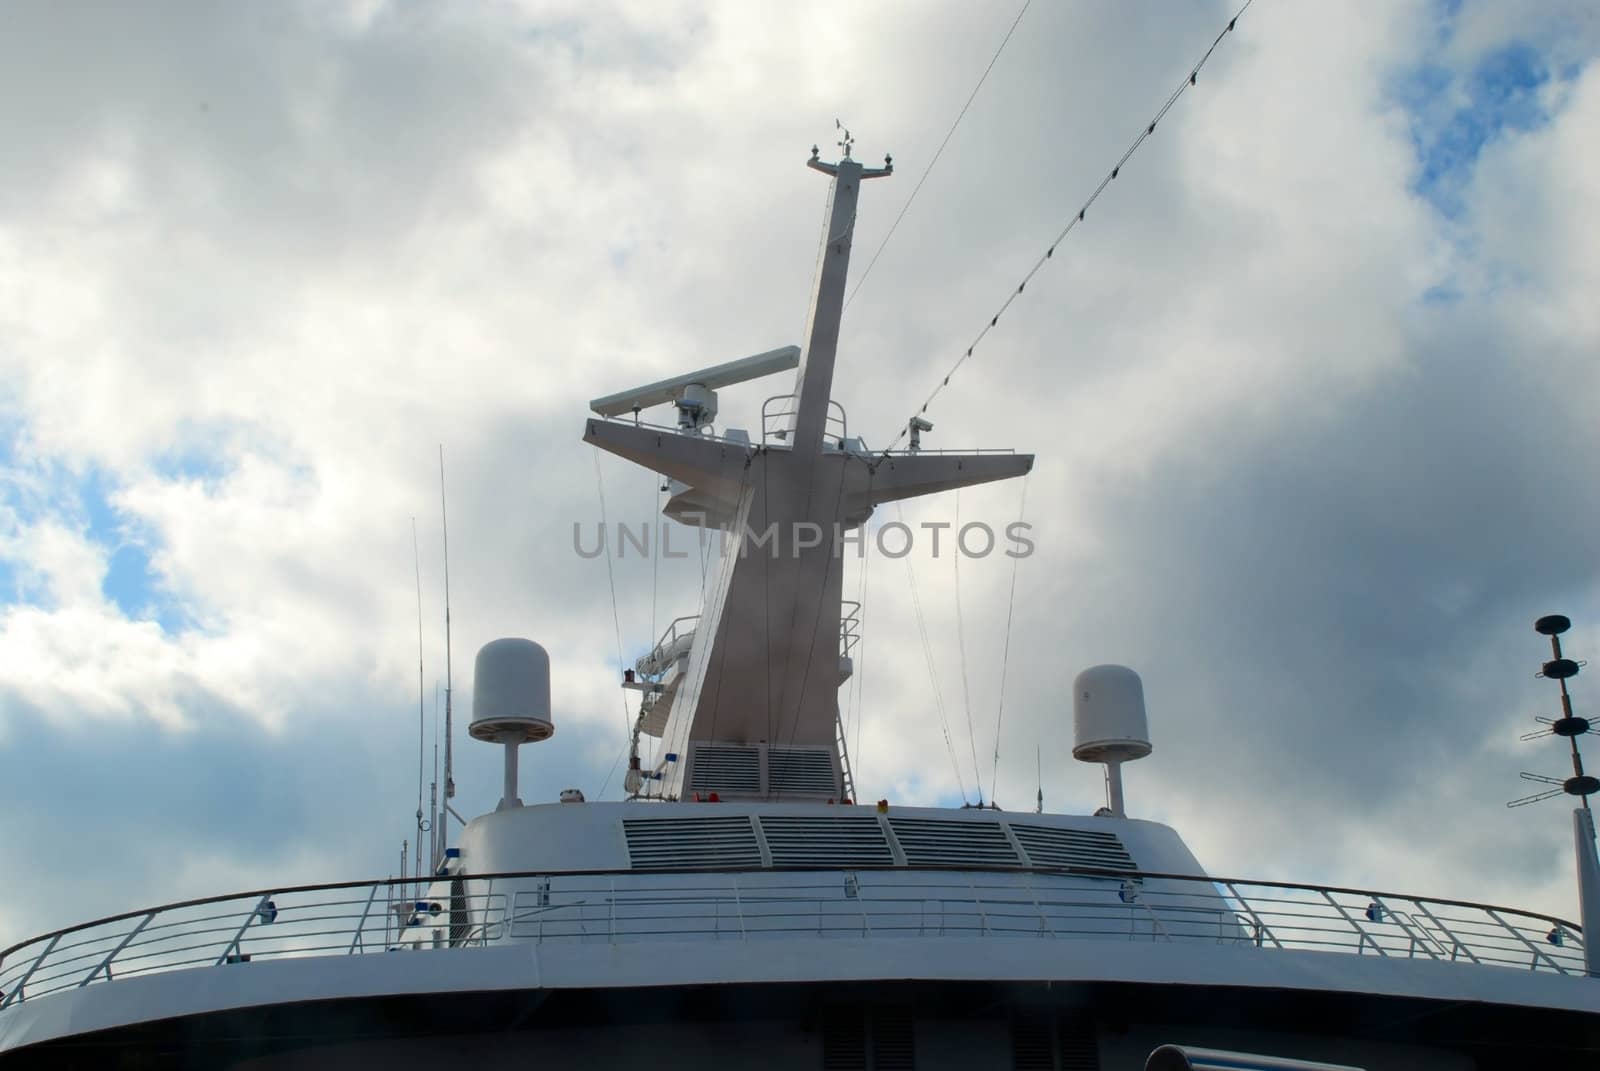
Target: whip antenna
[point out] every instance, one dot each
(423, 824)
(449, 767)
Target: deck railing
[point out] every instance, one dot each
(351, 918)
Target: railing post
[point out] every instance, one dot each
(1365, 938)
(1538, 953)
(1033, 894)
(1261, 927)
(16, 991)
(738, 905)
(356, 940)
(977, 902)
(1459, 945)
(105, 964)
(1400, 922)
(255, 913)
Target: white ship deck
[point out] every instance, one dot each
(670, 916)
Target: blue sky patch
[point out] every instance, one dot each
(1454, 115)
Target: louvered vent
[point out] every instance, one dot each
(932, 841)
(833, 841)
(801, 771)
(726, 768)
(882, 1039)
(893, 1044)
(670, 843)
(1031, 1046)
(1049, 846)
(844, 1040)
(1076, 1045)
(1042, 1041)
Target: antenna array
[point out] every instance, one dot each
(1560, 669)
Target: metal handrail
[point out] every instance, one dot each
(849, 626)
(830, 421)
(669, 636)
(754, 903)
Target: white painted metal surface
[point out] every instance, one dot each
(768, 884)
(511, 702)
(722, 375)
(761, 673)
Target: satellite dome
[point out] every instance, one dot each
(1108, 715)
(511, 693)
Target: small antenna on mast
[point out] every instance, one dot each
(449, 766)
(435, 851)
(1561, 669)
(423, 824)
(1038, 762)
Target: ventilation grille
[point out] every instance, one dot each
(893, 1046)
(1038, 1044)
(807, 771)
(1048, 846)
(844, 1040)
(1076, 1043)
(883, 1039)
(668, 843)
(1031, 1048)
(942, 843)
(846, 840)
(726, 768)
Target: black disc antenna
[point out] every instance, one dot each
(1560, 669)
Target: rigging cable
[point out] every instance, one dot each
(961, 645)
(1144, 133)
(655, 551)
(611, 581)
(696, 685)
(927, 653)
(938, 152)
(1005, 651)
(816, 623)
(858, 692)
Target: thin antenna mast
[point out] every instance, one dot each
(423, 825)
(1038, 762)
(1582, 785)
(434, 849)
(449, 767)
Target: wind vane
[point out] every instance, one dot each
(1560, 669)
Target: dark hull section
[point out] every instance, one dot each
(888, 1025)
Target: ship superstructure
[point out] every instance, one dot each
(743, 908)
(745, 697)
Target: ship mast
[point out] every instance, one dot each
(754, 697)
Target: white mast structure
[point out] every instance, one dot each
(754, 695)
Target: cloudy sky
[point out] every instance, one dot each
(1312, 390)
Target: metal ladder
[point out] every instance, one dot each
(848, 781)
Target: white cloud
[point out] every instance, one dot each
(252, 274)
